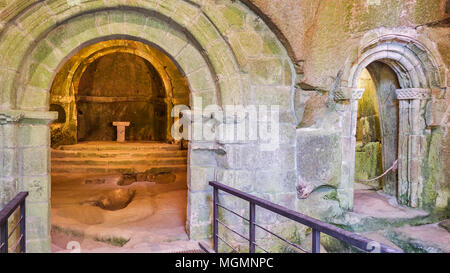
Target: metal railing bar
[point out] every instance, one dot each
(261, 248)
(220, 238)
(15, 227)
(229, 210)
(17, 243)
(338, 233)
(9, 209)
(215, 217)
(281, 238)
(235, 232)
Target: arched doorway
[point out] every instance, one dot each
(209, 48)
(109, 194)
(377, 128)
(404, 67)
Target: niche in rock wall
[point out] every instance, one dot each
(121, 87)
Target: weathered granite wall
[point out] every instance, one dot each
(235, 52)
(332, 36)
(226, 53)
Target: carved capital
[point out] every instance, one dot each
(21, 116)
(346, 93)
(413, 94)
(9, 118)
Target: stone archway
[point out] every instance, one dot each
(418, 73)
(65, 84)
(209, 47)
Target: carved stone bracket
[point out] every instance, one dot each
(413, 94)
(346, 93)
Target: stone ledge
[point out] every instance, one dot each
(27, 117)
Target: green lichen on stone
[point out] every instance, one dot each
(433, 171)
(68, 232)
(362, 15)
(426, 11)
(332, 196)
(368, 163)
(270, 45)
(114, 241)
(234, 16)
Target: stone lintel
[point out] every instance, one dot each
(348, 93)
(413, 94)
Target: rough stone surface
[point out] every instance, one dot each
(324, 149)
(445, 224)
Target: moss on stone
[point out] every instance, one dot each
(426, 11)
(234, 16)
(433, 171)
(332, 196)
(368, 163)
(114, 241)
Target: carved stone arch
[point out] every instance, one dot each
(74, 68)
(414, 64)
(418, 70)
(37, 74)
(78, 71)
(211, 48)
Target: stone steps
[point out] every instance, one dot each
(113, 146)
(119, 161)
(121, 158)
(117, 154)
(121, 169)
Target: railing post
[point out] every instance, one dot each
(315, 241)
(4, 237)
(22, 227)
(252, 227)
(216, 217)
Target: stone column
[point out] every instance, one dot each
(201, 170)
(8, 157)
(348, 108)
(25, 157)
(412, 144)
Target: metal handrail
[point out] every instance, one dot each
(317, 226)
(5, 213)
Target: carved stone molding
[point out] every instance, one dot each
(413, 94)
(346, 93)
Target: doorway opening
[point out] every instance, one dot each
(377, 132)
(107, 194)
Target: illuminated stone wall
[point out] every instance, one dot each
(118, 80)
(368, 161)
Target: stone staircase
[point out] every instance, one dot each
(121, 158)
